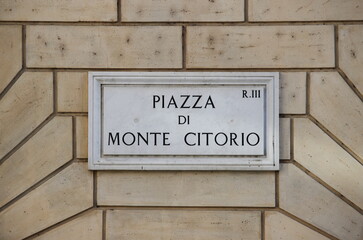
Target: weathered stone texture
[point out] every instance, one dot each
(10, 53)
(72, 91)
(281, 227)
(85, 227)
(179, 224)
(284, 138)
(305, 10)
(186, 188)
(310, 201)
(260, 46)
(182, 10)
(351, 52)
(58, 10)
(104, 47)
(63, 196)
(27, 104)
(334, 165)
(49, 149)
(82, 137)
(293, 92)
(338, 108)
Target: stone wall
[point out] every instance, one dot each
(46, 49)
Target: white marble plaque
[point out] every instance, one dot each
(183, 121)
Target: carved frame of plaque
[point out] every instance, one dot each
(100, 161)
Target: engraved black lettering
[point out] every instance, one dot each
(113, 139)
(223, 142)
(156, 99)
(196, 102)
(130, 142)
(209, 102)
(248, 139)
(172, 102)
(145, 139)
(186, 97)
(186, 139)
(232, 139)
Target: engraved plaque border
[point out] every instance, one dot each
(180, 162)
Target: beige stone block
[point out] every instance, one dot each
(317, 152)
(260, 46)
(338, 108)
(64, 195)
(27, 104)
(58, 10)
(10, 53)
(72, 91)
(86, 227)
(293, 92)
(351, 52)
(305, 10)
(182, 224)
(281, 227)
(46, 151)
(104, 46)
(284, 138)
(182, 11)
(186, 188)
(310, 201)
(82, 137)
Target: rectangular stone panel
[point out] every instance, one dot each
(293, 92)
(260, 46)
(46, 151)
(58, 10)
(186, 188)
(104, 46)
(66, 194)
(182, 11)
(284, 138)
(305, 10)
(82, 136)
(182, 224)
(72, 90)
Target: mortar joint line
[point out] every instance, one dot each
(104, 212)
(263, 225)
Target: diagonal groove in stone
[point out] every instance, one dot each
(36, 185)
(64, 195)
(307, 199)
(306, 224)
(329, 187)
(338, 109)
(350, 83)
(25, 106)
(26, 139)
(11, 83)
(336, 139)
(43, 234)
